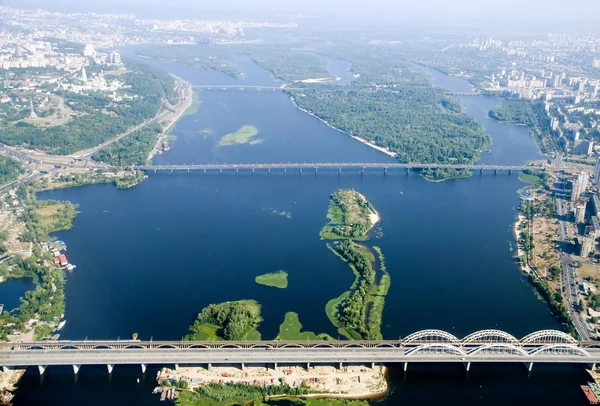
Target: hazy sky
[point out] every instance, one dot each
(536, 11)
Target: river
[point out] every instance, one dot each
(149, 258)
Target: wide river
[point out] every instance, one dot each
(151, 257)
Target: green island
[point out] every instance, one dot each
(350, 216)
(241, 136)
(291, 330)
(235, 321)
(357, 312)
(274, 279)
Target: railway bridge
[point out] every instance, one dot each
(427, 346)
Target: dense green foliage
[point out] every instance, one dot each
(44, 217)
(215, 394)
(275, 279)
(290, 65)
(131, 150)
(351, 311)
(555, 302)
(406, 119)
(9, 170)
(349, 216)
(241, 136)
(100, 117)
(233, 320)
(291, 330)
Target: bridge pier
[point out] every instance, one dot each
(372, 365)
(495, 171)
(243, 366)
(209, 366)
(339, 171)
(220, 170)
(316, 170)
(5, 369)
(269, 170)
(405, 366)
(384, 171)
(362, 171)
(341, 363)
(307, 366)
(204, 170)
(188, 170)
(171, 170)
(481, 171)
(467, 365)
(110, 368)
(176, 367)
(510, 171)
(76, 369)
(275, 365)
(252, 169)
(529, 366)
(237, 170)
(42, 369)
(143, 368)
(300, 170)
(284, 171)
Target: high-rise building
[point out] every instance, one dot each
(580, 213)
(587, 246)
(575, 190)
(597, 171)
(556, 82)
(89, 50)
(582, 179)
(114, 58)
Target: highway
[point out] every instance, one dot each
(568, 275)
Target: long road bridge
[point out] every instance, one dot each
(240, 87)
(427, 346)
(362, 166)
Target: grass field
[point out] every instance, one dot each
(291, 330)
(241, 136)
(275, 279)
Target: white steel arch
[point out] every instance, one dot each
(430, 336)
(560, 349)
(548, 337)
(490, 336)
(499, 348)
(436, 349)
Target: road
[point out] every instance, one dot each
(568, 275)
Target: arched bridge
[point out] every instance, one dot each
(487, 346)
(362, 166)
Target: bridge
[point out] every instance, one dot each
(241, 87)
(427, 346)
(339, 166)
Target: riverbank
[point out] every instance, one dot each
(349, 382)
(362, 140)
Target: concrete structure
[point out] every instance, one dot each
(114, 58)
(582, 178)
(421, 347)
(580, 213)
(594, 229)
(575, 190)
(587, 246)
(32, 114)
(321, 165)
(597, 171)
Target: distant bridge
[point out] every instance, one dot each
(339, 166)
(240, 87)
(427, 346)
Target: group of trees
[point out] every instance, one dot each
(234, 319)
(40, 225)
(404, 118)
(352, 214)
(239, 393)
(9, 170)
(351, 312)
(133, 149)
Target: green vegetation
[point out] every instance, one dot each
(229, 321)
(530, 114)
(99, 117)
(555, 302)
(9, 170)
(44, 217)
(275, 279)
(349, 216)
(290, 330)
(133, 149)
(439, 175)
(241, 136)
(215, 394)
(291, 66)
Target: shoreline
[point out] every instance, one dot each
(361, 140)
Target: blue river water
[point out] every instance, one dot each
(151, 257)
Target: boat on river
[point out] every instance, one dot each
(61, 325)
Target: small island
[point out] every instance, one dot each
(357, 312)
(227, 321)
(242, 136)
(291, 330)
(350, 216)
(274, 279)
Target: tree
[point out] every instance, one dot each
(134, 336)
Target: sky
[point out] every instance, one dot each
(571, 12)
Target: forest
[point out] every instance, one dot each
(233, 320)
(100, 117)
(131, 150)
